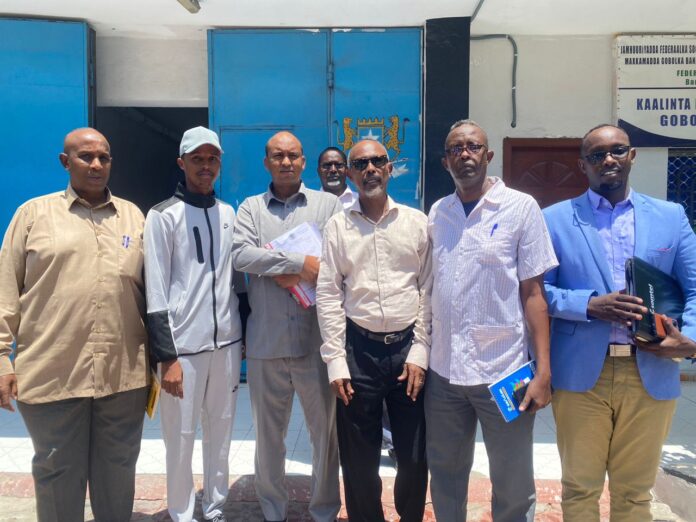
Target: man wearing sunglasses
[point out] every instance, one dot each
(374, 314)
(331, 168)
(613, 400)
(490, 252)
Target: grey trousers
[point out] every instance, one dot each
(451, 414)
(272, 384)
(85, 441)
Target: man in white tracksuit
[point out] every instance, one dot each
(194, 325)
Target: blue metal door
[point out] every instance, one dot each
(45, 92)
(377, 95)
(329, 87)
(262, 82)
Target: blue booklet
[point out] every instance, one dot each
(506, 391)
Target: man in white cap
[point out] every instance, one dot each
(194, 325)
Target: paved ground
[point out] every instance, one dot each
(16, 488)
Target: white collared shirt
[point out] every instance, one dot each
(479, 332)
(347, 198)
(379, 276)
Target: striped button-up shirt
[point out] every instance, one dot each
(479, 332)
(278, 326)
(616, 228)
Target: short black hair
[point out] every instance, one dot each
(332, 149)
(601, 126)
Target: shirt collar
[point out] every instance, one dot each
(71, 197)
(268, 196)
(598, 201)
(494, 194)
(391, 207)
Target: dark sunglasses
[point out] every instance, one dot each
(337, 164)
(457, 150)
(619, 152)
(362, 163)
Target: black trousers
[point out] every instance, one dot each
(374, 368)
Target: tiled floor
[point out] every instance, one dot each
(16, 450)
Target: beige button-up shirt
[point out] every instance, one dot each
(379, 276)
(72, 297)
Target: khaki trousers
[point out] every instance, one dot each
(616, 429)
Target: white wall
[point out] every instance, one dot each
(133, 72)
(565, 86)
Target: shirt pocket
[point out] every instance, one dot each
(130, 257)
(496, 249)
(495, 346)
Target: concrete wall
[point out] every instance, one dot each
(564, 87)
(133, 72)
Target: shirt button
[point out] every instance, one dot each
(102, 279)
(99, 305)
(99, 254)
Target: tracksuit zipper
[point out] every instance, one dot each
(212, 267)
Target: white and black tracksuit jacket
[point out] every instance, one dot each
(191, 302)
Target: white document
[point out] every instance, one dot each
(303, 239)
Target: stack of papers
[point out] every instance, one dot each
(303, 239)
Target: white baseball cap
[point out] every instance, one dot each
(194, 138)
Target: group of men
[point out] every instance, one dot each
(414, 314)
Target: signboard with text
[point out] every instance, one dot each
(656, 89)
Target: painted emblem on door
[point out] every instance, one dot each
(374, 128)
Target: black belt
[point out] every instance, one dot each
(386, 338)
(621, 350)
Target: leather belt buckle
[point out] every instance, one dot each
(392, 338)
(621, 350)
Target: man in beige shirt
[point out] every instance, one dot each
(374, 313)
(72, 298)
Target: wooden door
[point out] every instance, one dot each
(546, 168)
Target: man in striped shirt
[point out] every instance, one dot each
(490, 252)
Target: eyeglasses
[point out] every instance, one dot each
(362, 163)
(338, 165)
(598, 157)
(456, 150)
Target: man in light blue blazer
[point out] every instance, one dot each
(613, 400)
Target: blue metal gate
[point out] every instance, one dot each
(45, 88)
(329, 87)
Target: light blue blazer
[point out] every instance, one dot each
(664, 238)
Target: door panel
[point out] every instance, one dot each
(329, 88)
(546, 168)
(262, 82)
(377, 94)
(45, 88)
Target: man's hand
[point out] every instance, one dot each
(616, 307)
(674, 345)
(416, 378)
(310, 269)
(538, 394)
(8, 391)
(287, 280)
(343, 390)
(173, 378)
